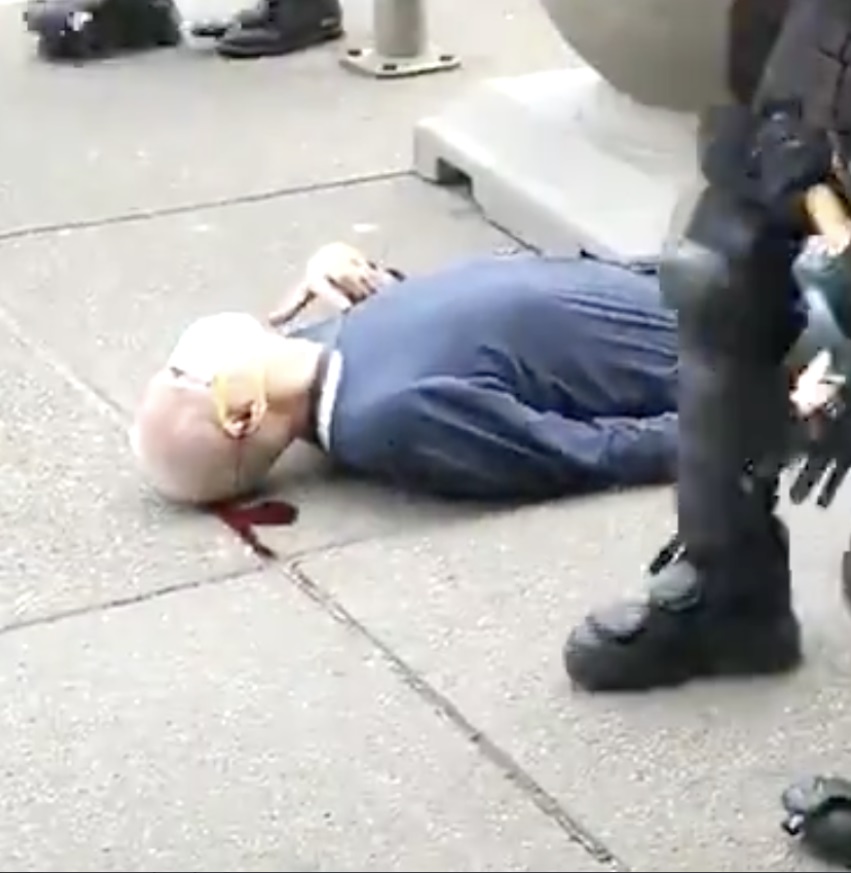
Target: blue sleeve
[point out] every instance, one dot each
(465, 439)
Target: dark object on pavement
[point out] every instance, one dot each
(818, 810)
(275, 27)
(81, 30)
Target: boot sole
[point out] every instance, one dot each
(244, 54)
(766, 652)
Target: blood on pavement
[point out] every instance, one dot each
(243, 519)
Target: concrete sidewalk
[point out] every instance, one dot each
(388, 695)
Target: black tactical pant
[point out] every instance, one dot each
(730, 280)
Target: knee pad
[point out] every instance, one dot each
(729, 278)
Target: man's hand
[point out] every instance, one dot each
(341, 275)
(822, 401)
(768, 159)
(337, 274)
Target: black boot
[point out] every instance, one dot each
(720, 599)
(680, 632)
(276, 27)
(720, 603)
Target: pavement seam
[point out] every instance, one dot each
(224, 578)
(140, 215)
(100, 402)
(497, 756)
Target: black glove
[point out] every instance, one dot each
(767, 159)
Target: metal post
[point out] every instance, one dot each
(401, 46)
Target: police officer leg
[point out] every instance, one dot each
(720, 602)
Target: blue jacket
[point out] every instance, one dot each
(509, 378)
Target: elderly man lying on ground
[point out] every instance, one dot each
(517, 377)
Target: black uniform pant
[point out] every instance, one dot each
(739, 313)
(730, 280)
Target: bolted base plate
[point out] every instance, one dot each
(371, 63)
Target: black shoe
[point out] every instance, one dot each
(240, 42)
(285, 26)
(684, 631)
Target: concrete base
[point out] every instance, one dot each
(560, 159)
(370, 62)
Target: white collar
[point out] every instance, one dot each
(328, 400)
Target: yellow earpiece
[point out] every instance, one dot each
(240, 400)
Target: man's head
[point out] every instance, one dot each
(179, 435)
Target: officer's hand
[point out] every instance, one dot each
(768, 159)
(822, 401)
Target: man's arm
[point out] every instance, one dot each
(470, 440)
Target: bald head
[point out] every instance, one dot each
(181, 448)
